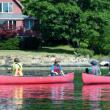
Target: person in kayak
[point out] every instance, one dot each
(94, 69)
(17, 68)
(56, 68)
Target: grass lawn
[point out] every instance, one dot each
(43, 51)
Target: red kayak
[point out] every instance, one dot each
(93, 79)
(37, 80)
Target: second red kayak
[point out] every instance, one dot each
(93, 79)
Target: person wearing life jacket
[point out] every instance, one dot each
(17, 68)
(56, 68)
(94, 69)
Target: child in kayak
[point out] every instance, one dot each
(17, 68)
(94, 69)
(56, 68)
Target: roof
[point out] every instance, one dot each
(12, 16)
(19, 3)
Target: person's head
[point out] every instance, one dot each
(16, 60)
(93, 63)
(56, 61)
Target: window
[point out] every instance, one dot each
(6, 7)
(11, 24)
(10, 7)
(2, 22)
(29, 24)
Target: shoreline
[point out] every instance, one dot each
(46, 60)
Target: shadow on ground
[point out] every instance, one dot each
(50, 50)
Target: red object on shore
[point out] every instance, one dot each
(93, 79)
(36, 80)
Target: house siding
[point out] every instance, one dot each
(16, 8)
(16, 17)
(19, 23)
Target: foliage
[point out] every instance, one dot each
(95, 17)
(10, 44)
(23, 43)
(5, 34)
(57, 19)
(106, 41)
(73, 20)
(84, 44)
(30, 43)
(84, 52)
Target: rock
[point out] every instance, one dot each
(104, 63)
(45, 60)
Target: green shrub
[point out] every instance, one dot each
(85, 52)
(25, 43)
(10, 44)
(30, 43)
(106, 49)
(83, 45)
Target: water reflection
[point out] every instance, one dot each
(15, 94)
(93, 95)
(96, 92)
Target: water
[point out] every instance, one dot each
(42, 96)
(67, 96)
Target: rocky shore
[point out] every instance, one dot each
(45, 60)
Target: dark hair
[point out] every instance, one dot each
(16, 60)
(87, 70)
(93, 62)
(56, 60)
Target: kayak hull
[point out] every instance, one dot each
(36, 80)
(93, 79)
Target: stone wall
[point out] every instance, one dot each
(45, 60)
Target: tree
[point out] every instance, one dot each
(57, 19)
(82, 21)
(95, 17)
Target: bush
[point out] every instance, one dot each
(106, 49)
(6, 34)
(10, 44)
(24, 43)
(83, 45)
(30, 43)
(85, 52)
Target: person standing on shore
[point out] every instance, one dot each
(17, 68)
(56, 68)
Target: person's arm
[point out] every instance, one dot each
(99, 71)
(16, 72)
(90, 70)
(12, 69)
(61, 70)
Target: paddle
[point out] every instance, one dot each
(8, 70)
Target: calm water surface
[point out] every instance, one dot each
(67, 96)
